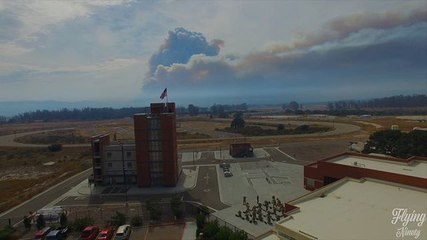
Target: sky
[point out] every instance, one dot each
(208, 52)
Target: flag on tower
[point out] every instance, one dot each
(164, 93)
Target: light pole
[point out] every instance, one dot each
(124, 174)
(193, 159)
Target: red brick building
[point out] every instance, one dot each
(154, 153)
(411, 171)
(156, 147)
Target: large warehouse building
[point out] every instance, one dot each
(151, 161)
(411, 171)
(358, 196)
(355, 209)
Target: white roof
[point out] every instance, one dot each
(357, 209)
(272, 236)
(415, 169)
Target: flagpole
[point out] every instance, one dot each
(167, 99)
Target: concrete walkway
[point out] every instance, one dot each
(189, 231)
(187, 181)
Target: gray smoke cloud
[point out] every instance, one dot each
(180, 46)
(342, 27)
(352, 52)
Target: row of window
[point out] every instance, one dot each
(128, 154)
(128, 164)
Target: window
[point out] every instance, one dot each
(310, 182)
(129, 165)
(128, 154)
(154, 135)
(108, 154)
(155, 156)
(154, 123)
(155, 146)
(156, 167)
(110, 165)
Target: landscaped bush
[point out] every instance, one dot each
(6, 233)
(136, 221)
(55, 147)
(118, 219)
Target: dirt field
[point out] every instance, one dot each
(314, 150)
(23, 173)
(70, 136)
(170, 232)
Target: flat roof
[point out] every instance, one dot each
(356, 209)
(415, 168)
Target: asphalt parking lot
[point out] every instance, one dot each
(206, 190)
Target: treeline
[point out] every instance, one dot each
(73, 115)
(397, 143)
(399, 101)
(86, 114)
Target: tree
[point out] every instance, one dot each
(40, 222)
(223, 233)
(176, 203)
(200, 223)
(193, 110)
(63, 220)
(118, 219)
(383, 142)
(238, 121)
(27, 222)
(154, 209)
(7, 232)
(397, 143)
(136, 221)
(293, 106)
(210, 229)
(238, 235)
(56, 147)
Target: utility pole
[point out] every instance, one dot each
(124, 174)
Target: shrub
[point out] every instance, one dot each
(6, 232)
(136, 221)
(40, 222)
(63, 220)
(80, 223)
(118, 219)
(176, 208)
(55, 147)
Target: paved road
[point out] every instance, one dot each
(278, 156)
(41, 200)
(206, 190)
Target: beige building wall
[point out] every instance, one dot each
(115, 161)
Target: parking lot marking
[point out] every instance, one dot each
(289, 156)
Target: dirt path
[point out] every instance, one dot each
(338, 129)
(9, 140)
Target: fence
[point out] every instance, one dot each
(221, 222)
(5, 222)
